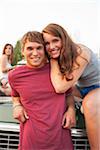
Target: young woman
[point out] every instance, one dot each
(75, 65)
(6, 66)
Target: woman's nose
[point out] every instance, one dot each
(52, 45)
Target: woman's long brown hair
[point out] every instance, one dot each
(68, 52)
(12, 51)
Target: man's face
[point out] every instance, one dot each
(34, 54)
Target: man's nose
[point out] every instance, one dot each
(34, 52)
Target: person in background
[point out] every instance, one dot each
(45, 116)
(22, 61)
(6, 66)
(75, 65)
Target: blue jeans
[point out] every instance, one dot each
(85, 90)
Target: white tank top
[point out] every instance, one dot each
(5, 75)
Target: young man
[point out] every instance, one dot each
(41, 111)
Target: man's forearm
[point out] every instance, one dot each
(70, 101)
(16, 101)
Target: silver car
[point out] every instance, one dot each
(9, 128)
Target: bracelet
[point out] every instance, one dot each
(16, 106)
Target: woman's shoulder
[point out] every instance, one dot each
(85, 52)
(4, 57)
(4, 60)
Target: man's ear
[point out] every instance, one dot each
(22, 52)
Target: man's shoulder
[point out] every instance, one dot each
(15, 71)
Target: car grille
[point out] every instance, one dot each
(80, 139)
(9, 140)
(9, 137)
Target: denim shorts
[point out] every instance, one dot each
(85, 90)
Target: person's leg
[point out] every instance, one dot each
(2, 92)
(91, 107)
(5, 91)
(5, 87)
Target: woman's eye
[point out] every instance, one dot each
(55, 40)
(46, 43)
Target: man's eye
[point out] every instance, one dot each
(29, 48)
(39, 48)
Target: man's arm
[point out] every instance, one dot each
(69, 118)
(19, 112)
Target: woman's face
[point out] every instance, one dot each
(53, 45)
(8, 50)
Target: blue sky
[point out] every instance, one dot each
(79, 17)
